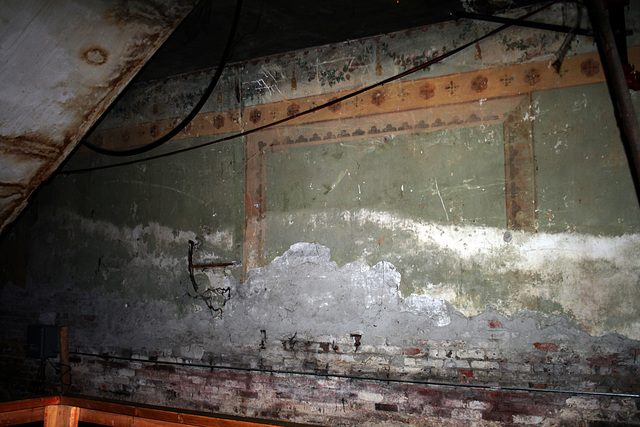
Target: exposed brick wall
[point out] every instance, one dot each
(485, 357)
(339, 401)
(605, 365)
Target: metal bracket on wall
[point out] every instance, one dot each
(215, 298)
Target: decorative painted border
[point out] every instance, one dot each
(512, 112)
(398, 96)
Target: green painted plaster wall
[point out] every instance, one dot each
(127, 229)
(433, 204)
(321, 193)
(583, 178)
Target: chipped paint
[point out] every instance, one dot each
(575, 272)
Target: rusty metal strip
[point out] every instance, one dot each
(255, 172)
(400, 96)
(519, 168)
(28, 148)
(9, 188)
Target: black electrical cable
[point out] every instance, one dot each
(196, 109)
(61, 370)
(37, 387)
(317, 108)
(359, 378)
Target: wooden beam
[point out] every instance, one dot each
(61, 416)
(97, 411)
(64, 411)
(21, 416)
(38, 402)
(159, 419)
(618, 89)
(65, 365)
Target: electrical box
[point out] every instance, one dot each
(42, 341)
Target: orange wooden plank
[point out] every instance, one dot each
(148, 418)
(37, 402)
(21, 416)
(64, 411)
(96, 411)
(61, 416)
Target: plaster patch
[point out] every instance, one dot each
(530, 252)
(418, 304)
(304, 292)
(113, 232)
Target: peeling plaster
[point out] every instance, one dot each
(593, 279)
(312, 284)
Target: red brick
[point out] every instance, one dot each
(494, 324)
(546, 346)
(497, 416)
(248, 394)
(533, 358)
(465, 374)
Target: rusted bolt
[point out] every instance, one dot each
(94, 55)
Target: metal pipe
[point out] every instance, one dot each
(353, 377)
(618, 89)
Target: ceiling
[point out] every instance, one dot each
(268, 27)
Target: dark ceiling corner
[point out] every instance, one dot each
(278, 26)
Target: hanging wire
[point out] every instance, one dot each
(317, 108)
(196, 109)
(37, 387)
(386, 380)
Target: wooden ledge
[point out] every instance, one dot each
(67, 411)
